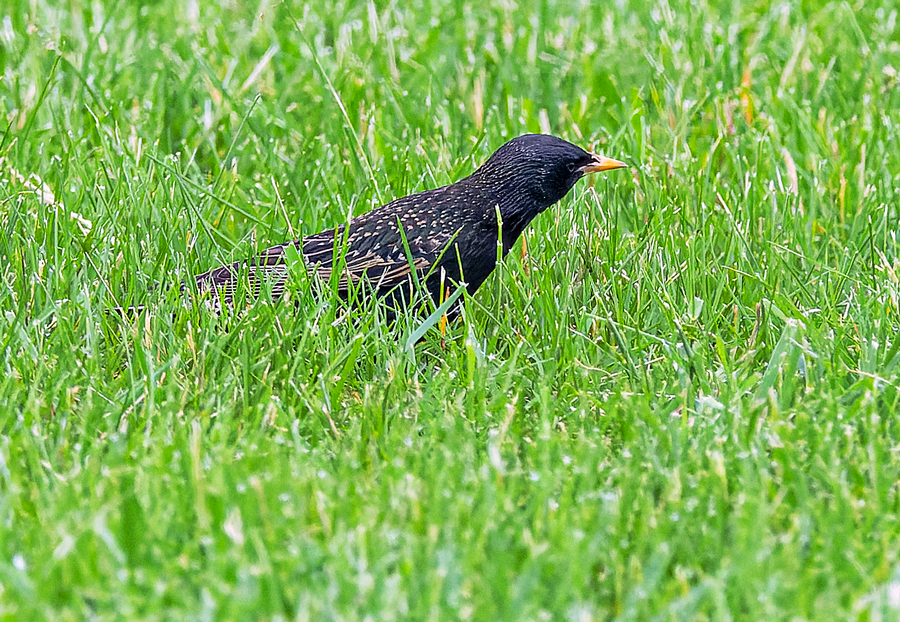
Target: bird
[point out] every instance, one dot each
(438, 238)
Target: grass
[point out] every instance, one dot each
(676, 401)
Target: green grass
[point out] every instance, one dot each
(679, 404)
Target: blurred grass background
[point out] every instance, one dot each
(675, 400)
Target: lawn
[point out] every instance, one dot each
(676, 400)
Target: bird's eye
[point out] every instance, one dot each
(571, 166)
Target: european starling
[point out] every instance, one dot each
(451, 232)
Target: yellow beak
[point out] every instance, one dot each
(602, 163)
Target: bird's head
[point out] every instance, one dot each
(535, 171)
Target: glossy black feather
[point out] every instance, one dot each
(452, 231)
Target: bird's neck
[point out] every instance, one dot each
(512, 225)
(517, 208)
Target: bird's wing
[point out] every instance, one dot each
(383, 265)
(267, 267)
(380, 260)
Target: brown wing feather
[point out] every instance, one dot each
(383, 273)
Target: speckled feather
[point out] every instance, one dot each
(522, 178)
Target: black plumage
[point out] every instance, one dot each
(451, 232)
